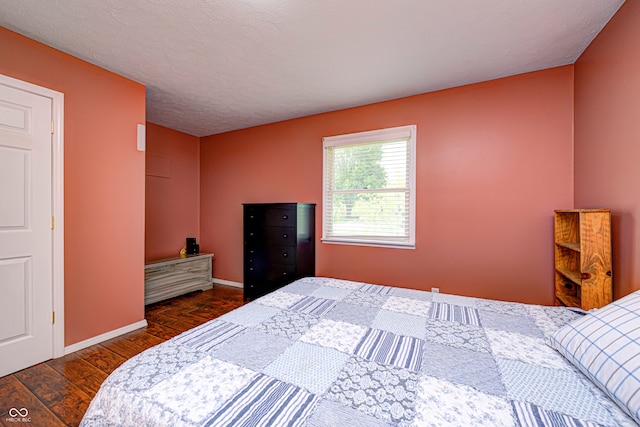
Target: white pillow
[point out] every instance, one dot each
(605, 346)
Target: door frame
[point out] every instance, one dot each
(57, 201)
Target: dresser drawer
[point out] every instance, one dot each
(274, 272)
(280, 273)
(280, 217)
(269, 236)
(281, 236)
(270, 217)
(281, 254)
(258, 258)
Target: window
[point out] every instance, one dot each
(369, 188)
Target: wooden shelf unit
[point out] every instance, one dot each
(583, 274)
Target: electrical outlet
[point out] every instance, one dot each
(435, 290)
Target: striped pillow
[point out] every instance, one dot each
(605, 346)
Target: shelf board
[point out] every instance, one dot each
(581, 210)
(568, 300)
(574, 276)
(569, 245)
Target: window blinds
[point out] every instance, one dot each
(369, 187)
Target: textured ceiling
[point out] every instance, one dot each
(212, 66)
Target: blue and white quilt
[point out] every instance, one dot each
(329, 352)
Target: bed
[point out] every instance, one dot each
(329, 352)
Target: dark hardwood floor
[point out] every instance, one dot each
(58, 392)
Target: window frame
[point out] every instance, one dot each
(380, 135)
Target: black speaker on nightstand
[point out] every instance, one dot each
(192, 247)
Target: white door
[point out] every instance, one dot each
(25, 230)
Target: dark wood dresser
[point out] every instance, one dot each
(279, 245)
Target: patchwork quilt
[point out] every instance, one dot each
(329, 352)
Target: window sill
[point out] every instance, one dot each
(376, 243)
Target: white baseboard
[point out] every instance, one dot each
(132, 327)
(227, 283)
(103, 337)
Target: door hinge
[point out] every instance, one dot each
(53, 223)
(52, 127)
(53, 317)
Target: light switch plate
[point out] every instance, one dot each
(142, 138)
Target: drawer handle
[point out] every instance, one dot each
(285, 216)
(284, 274)
(250, 234)
(250, 268)
(284, 254)
(285, 235)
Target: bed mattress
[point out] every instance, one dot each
(329, 352)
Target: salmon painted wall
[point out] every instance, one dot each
(494, 160)
(172, 191)
(607, 138)
(103, 184)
